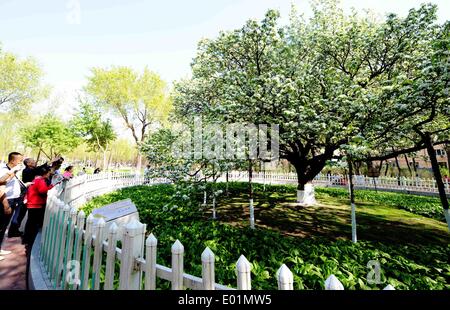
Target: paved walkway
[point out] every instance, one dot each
(13, 267)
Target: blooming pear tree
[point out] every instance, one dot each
(420, 114)
(321, 80)
(164, 152)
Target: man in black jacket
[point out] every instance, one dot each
(29, 172)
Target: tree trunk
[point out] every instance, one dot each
(214, 193)
(307, 168)
(357, 166)
(38, 156)
(387, 168)
(305, 189)
(96, 160)
(381, 166)
(352, 199)
(407, 163)
(398, 170)
(139, 163)
(109, 160)
(250, 175)
(250, 193)
(226, 178)
(414, 166)
(105, 161)
(437, 177)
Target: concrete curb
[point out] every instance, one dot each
(37, 277)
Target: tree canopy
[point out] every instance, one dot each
(88, 124)
(50, 136)
(20, 83)
(140, 99)
(324, 81)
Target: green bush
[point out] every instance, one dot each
(310, 260)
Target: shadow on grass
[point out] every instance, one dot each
(330, 218)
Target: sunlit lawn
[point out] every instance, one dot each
(330, 218)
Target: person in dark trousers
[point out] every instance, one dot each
(14, 190)
(5, 211)
(37, 199)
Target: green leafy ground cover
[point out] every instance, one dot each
(312, 241)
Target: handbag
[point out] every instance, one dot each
(23, 187)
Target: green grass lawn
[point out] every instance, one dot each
(312, 241)
(330, 218)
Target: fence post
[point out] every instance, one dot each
(150, 262)
(111, 257)
(177, 265)
(55, 235)
(86, 262)
(77, 244)
(389, 288)
(47, 230)
(133, 247)
(61, 245)
(243, 269)
(69, 245)
(332, 283)
(208, 275)
(285, 278)
(98, 253)
(47, 215)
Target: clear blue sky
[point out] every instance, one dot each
(159, 34)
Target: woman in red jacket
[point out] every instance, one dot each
(37, 198)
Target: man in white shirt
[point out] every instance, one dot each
(13, 190)
(5, 210)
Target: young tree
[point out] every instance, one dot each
(50, 136)
(98, 134)
(141, 100)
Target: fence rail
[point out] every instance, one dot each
(402, 184)
(73, 249)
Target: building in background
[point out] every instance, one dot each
(421, 160)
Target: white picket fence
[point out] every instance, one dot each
(72, 247)
(362, 182)
(80, 189)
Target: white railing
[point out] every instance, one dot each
(80, 189)
(72, 248)
(383, 183)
